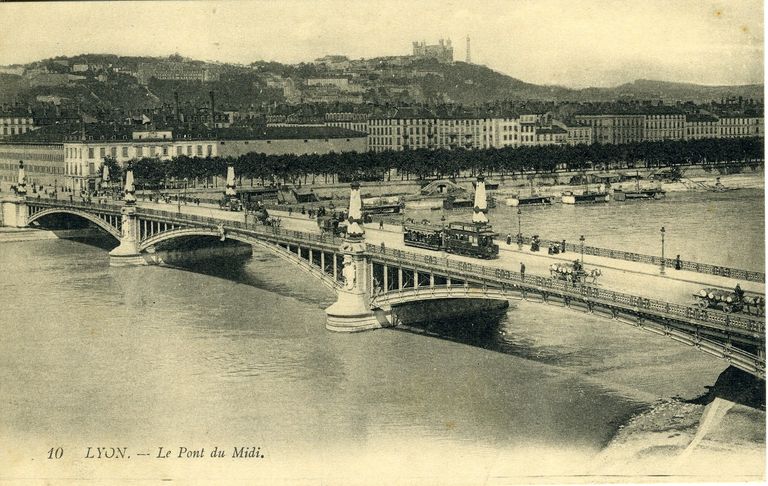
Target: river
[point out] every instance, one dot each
(237, 355)
(726, 228)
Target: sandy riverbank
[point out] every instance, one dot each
(720, 436)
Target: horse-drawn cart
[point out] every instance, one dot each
(573, 272)
(729, 301)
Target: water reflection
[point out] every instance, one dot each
(496, 331)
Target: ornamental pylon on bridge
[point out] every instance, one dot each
(231, 191)
(130, 189)
(21, 185)
(481, 203)
(352, 310)
(128, 251)
(355, 228)
(13, 208)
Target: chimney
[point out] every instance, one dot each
(213, 110)
(176, 109)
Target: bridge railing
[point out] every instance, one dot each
(691, 266)
(252, 227)
(473, 271)
(74, 204)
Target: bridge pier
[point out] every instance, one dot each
(127, 254)
(15, 213)
(352, 310)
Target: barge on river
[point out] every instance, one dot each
(587, 197)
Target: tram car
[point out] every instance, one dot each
(728, 301)
(468, 239)
(573, 272)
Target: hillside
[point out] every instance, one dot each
(669, 91)
(109, 83)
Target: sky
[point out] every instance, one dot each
(574, 43)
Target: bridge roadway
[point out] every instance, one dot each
(638, 294)
(677, 286)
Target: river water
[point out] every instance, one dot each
(237, 355)
(726, 228)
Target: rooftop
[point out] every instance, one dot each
(96, 132)
(700, 118)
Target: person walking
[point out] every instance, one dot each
(522, 271)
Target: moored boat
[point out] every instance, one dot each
(569, 197)
(621, 195)
(528, 200)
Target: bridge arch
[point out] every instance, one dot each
(93, 218)
(405, 296)
(275, 249)
(734, 356)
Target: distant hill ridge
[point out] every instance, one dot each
(240, 85)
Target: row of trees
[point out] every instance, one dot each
(422, 163)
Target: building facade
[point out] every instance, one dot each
(15, 124)
(701, 126)
(176, 71)
(739, 126)
(664, 124)
(576, 133)
(351, 121)
(44, 164)
(502, 132)
(614, 128)
(83, 158)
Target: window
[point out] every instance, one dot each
(199, 150)
(102, 152)
(178, 149)
(165, 150)
(90, 152)
(113, 151)
(125, 151)
(139, 151)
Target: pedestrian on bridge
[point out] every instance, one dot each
(522, 271)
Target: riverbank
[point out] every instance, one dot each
(8, 235)
(547, 183)
(716, 437)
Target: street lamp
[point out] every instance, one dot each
(663, 262)
(581, 239)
